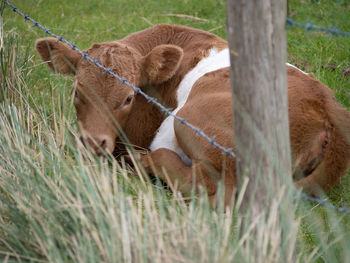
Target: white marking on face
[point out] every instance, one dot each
(290, 65)
(165, 137)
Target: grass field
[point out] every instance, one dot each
(60, 204)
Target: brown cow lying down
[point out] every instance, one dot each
(187, 69)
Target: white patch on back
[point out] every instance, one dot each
(165, 137)
(297, 68)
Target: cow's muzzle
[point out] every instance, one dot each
(100, 145)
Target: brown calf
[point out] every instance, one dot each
(187, 69)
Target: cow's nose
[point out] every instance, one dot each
(99, 145)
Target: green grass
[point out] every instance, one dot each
(58, 203)
(312, 51)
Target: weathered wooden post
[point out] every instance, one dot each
(257, 41)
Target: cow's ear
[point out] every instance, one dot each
(59, 56)
(161, 63)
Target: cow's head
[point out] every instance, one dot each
(102, 102)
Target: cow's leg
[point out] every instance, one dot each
(169, 167)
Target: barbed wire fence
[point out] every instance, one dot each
(168, 111)
(290, 23)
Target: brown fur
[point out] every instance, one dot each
(157, 59)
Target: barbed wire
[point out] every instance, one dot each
(309, 26)
(212, 141)
(324, 203)
(167, 111)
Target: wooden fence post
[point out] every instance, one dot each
(257, 41)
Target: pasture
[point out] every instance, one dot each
(59, 203)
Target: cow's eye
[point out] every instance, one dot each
(128, 100)
(76, 94)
